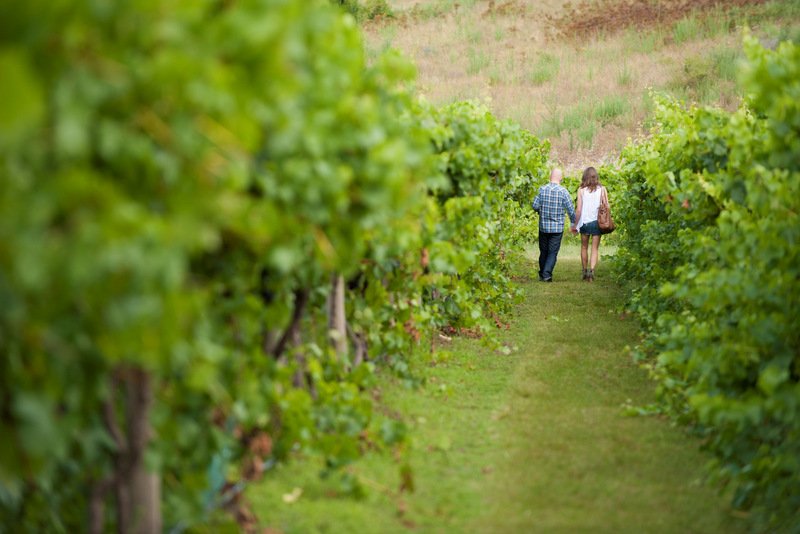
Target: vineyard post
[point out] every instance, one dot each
(337, 323)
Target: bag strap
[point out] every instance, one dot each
(604, 195)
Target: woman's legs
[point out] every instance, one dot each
(585, 251)
(595, 251)
(594, 258)
(585, 255)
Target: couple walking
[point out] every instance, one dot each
(551, 203)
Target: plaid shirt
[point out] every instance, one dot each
(550, 204)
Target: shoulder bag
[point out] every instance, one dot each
(604, 220)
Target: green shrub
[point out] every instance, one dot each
(178, 188)
(710, 231)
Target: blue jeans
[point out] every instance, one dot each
(549, 245)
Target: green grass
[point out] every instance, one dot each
(637, 41)
(495, 77)
(778, 9)
(531, 442)
(472, 35)
(576, 116)
(581, 122)
(499, 34)
(624, 76)
(544, 70)
(604, 111)
(688, 28)
(552, 125)
(609, 108)
(478, 60)
(718, 23)
(586, 133)
(432, 10)
(705, 79)
(725, 62)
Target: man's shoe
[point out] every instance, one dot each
(545, 279)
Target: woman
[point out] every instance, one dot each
(589, 195)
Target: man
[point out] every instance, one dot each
(551, 203)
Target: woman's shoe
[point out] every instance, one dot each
(590, 275)
(585, 274)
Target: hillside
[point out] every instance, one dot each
(579, 74)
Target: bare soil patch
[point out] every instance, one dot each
(590, 18)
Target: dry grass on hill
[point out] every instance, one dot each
(593, 16)
(567, 73)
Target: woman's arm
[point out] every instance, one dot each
(579, 206)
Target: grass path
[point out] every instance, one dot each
(572, 462)
(531, 442)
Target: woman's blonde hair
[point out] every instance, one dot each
(590, 179)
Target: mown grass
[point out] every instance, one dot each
(572, 463)
(534, 441)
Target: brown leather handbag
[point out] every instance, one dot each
(604, 220)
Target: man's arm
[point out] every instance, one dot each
(568, 206)
(578, 210)
(537, 202)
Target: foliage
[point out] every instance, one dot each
(493, 169)
(168, 191)
(175, 204)
(711, 245)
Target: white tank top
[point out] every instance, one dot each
(589, 205)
